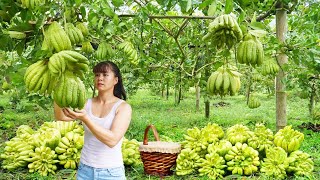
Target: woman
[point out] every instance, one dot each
(106, 119)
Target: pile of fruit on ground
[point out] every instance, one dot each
(209, 151)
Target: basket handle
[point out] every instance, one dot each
(155, 133)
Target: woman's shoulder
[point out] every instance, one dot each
(124, 106)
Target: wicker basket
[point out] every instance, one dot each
(158, 157)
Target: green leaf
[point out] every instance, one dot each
(6, 43)
(107, 10)
(254, 18)
(242, 16)
(121, 24)
(78, 2)
(83, 11)
(204, 4)
(183, 5)
(162, 2)
(257, 25)
(20, 46)
(245, 2)
(189, 5)
(258, 33)
(244, 29)
(4, 15)
(116, 19)
(100, 22)
(212, 9)
(91, 15)
(94, 20)
(109, 29)
(229, 6)
(117, 3)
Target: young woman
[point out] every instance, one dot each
(106, 119)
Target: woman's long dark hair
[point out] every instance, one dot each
(103, 67)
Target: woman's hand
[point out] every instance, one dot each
(77, 114)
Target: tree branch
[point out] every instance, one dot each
(272, 10)
(165, 28)
(169, 17)
(181, 67)
(184, 24)
(204, 66)
(268, 13)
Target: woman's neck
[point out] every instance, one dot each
(106, 98)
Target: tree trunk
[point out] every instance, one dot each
(207, 101)
(312, 98)
(162, 90)
(207, 108)
(180, 88)
(281, 97)
(175, 91)
(249, 90)
(167, 90)
(197, 96)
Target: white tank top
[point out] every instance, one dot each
(95, 153)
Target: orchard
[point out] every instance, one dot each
(235, 82)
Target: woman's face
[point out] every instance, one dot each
(105, 80)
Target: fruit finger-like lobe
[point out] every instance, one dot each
(74, 34)
(253, 102)
(211, 83)
(34, 73)
(226, 82)
(253, 50)
(81, 94)
(260, 52)
(240, 53)
(79, 35)
(83, 28)
(233, 85)
(45, 82)
(58, 38)
(54, 64)
(70, 33)
(87, 47)
(250, 51)
(82, 66)
(58, 92)
(32, 67)
(219, 81)
(105, 48)
(80, 58)
(66, 56)
(51, 85)
(75, 90)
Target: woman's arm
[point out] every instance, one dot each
(118, 128)
(59, 114)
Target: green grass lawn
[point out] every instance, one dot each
(172, 121)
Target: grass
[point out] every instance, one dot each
(173, 120)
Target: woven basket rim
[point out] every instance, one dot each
(160, 146)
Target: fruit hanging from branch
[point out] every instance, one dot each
(224, 31)
(269, 66)
(75, 35)
(70, 91)
(224, 81)
(57, 37)
(250, 51)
